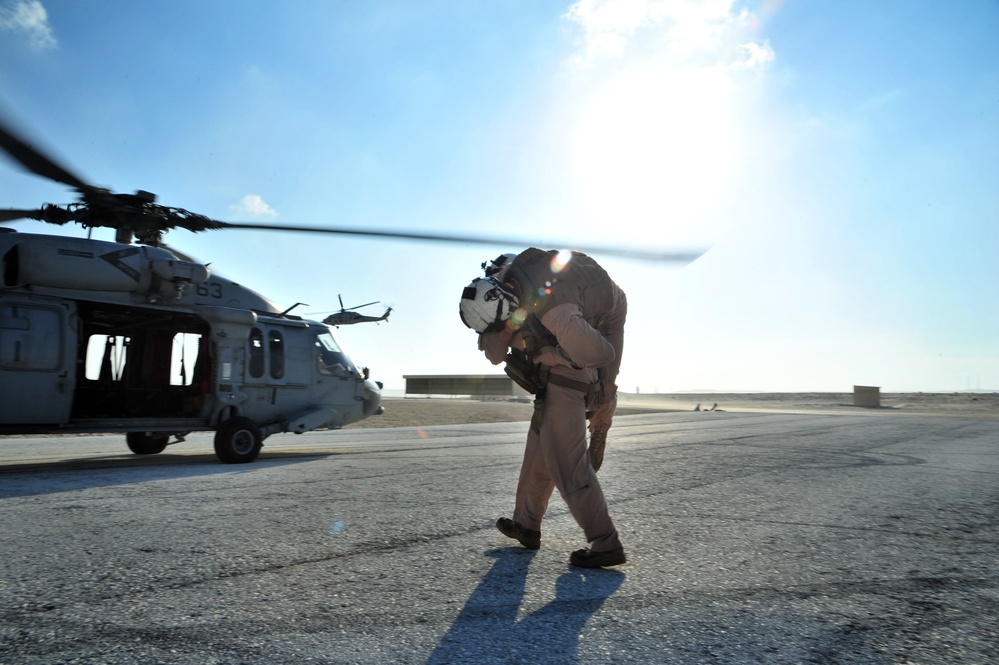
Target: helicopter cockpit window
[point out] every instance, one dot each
(275, 343)
(330, 355)
(256, 353)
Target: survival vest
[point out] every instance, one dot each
(541, 282)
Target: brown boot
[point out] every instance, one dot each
(529, 538)
(589, 559)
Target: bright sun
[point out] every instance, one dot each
(655, 148)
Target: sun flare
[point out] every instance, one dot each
(656, 148)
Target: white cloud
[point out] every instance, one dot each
(28, 17)
(754, 56)
(253, 205)
(610, 22)
(686, 30)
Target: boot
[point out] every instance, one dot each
(527, 537)
(589, 559)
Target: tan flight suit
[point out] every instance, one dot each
(556, 455)
(544, 279)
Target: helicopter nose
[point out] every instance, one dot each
(372, 398)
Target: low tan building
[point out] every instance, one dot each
(463, 385)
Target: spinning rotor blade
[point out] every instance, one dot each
(10, 214)
(344, 309)
(35, 161)
(623, 252)
(49, 213)
(138, 215)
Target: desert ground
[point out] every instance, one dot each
(423, 411)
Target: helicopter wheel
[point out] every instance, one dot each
(146, 443)
(238, 441)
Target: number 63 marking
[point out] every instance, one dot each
(210, 290)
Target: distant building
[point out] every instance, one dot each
(463, 385)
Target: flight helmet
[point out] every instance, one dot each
(486, 305)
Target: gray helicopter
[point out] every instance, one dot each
(347, 317)
(134, 337)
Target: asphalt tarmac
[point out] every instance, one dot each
(751, 537)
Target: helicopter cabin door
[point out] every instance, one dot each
(37, 361)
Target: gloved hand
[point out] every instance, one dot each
(600, 420)
(598, 441)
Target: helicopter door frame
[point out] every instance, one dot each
(279, 353)
(37, 360)
(277, 368)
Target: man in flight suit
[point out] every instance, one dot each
(542, 313)
(611, 326)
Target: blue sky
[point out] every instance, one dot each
(838, 159)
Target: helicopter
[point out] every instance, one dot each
(134, 337)
(347, 317)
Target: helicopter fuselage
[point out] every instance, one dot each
(103, 337)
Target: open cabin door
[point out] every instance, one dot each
(140, 363)
(37, 360)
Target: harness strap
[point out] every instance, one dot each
(569, 383)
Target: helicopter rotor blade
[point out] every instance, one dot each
(49, 213)
(138, 214)
(10, 214)
(375, 302)
(37, 162)
(682, 257)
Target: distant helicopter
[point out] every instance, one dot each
(346, 317)
(134, 337)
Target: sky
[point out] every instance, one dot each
(836, 159)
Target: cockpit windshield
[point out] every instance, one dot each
(331, 355)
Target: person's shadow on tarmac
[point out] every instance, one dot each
(487, 629)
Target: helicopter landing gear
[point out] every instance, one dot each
(238, 440)
(146, 443)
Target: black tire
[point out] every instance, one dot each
(238, 441)
(146, 443)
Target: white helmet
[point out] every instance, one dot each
(486, 304)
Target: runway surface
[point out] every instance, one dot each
(752, 538)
